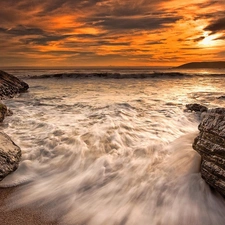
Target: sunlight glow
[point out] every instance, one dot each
(209, 40)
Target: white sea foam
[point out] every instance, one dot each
(100, 152)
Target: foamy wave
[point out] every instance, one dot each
(112, 75)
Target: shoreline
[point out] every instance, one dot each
(25, 216)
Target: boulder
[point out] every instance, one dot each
(210, 144)
(196, 107)
(10, 155)
(11, 85)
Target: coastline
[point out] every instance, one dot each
(25, 216)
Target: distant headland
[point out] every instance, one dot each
(199, 65)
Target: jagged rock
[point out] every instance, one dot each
(10, 155)
(210, 144)
(11, 85)
(196, 107)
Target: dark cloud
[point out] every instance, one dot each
(21, 31)
(153, 42)
(113, 43)
(63, 52)
(53, 6)
(41, 37)
(221, 37)
(44, 40)
(126, 23)
(209, 3)
(87, 35)
(190, 48)
(215, 26)
(199, 39)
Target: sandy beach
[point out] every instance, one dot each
(23, 216)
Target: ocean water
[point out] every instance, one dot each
(100, 148)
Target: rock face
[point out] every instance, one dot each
(10, 85)
(210, 144)
(10, 155)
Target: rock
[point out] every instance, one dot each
(196, 107)
(210, 144)
(11, 85)
(10, 155)
(9, 112)
(3, 112)
(221, 97)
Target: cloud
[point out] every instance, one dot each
(199, 39)
(44, 40)
(127, 23)
(21, 31)
(221, 54)
(215, 26)
(125, 31)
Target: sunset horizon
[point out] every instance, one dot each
(68, 33)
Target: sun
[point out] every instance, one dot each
(209, 40)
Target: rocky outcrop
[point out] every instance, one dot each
(10, 155)
(11, 85)
(210, 144)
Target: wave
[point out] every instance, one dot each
(108, 75)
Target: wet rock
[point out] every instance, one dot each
(9, 112)
(196, 107)
(3, 112)
(221, 97)
(10, 155)
(11, 85)
(210, 144)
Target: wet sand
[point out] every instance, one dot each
(23, 216)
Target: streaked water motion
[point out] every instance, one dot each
(113, 151)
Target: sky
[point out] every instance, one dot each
(111, 32)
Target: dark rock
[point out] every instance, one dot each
(11, 85)
(10, 155)
(196, 107)
(210, 144)
(9, 112)
(3, 112)
(221, 97)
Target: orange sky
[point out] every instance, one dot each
(111, 32)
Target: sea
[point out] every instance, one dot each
(113, 146)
